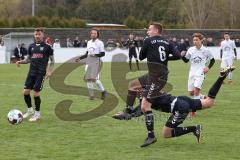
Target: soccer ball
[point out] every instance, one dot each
(15, 116)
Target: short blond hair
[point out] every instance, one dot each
(158, 26)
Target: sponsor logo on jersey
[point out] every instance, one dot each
(37, 55)
(197, 59)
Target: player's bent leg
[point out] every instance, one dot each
(145, 106)
(179, 114)
(134, 85)
(167, 132)
(134, 88)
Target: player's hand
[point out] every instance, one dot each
(18, 63)
(205, 70)
(183, 53)
(48, 74)
(235, 58)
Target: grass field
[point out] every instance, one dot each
(104, 138)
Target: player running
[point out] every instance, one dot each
(228, 53)
(38, 56)
(198, 55)
(179, 107)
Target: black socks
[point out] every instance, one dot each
(149, 119)
(28, 101)
(179, 131)
(37, 103)
(215, 87)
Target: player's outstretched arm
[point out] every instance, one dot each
(82, 57)
(25, 61)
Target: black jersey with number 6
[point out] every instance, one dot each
(158, 52)
(39, 56)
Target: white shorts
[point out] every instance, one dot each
(226, 63)
(92, 71)
(195, 82)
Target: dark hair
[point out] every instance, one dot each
(199, 35)
(95, 29)
(38, 30)
(158, 26)
(226, 33)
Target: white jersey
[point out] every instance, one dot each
(198, 59)
(94, 47)
(227, 48)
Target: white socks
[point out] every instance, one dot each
(30, 109)
(90, 88)
(100, 86)
(230, 75)
(37, 113)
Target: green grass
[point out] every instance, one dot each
(105, 138)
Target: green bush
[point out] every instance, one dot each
(48, 22)
(134, 23)
(4, 23)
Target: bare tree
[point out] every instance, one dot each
(198, 11)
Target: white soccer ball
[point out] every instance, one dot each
(15, 116)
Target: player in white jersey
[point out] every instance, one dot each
(95, 50)
(198, 55)
(228, 53)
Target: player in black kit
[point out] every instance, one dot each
(135, 85)
(132, 45)
(158, 52)
(179, 107)
(38, 56)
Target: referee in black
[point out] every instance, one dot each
(38, 56)
(132, 45)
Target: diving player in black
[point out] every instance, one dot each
(179, 107)
(38, 56)
(132, 45)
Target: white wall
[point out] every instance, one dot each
(63, 54)
(3, 55)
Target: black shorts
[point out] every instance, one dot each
(143, 80)
(181, 106)
(132, 54)
(153, 86)
(34, 82)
